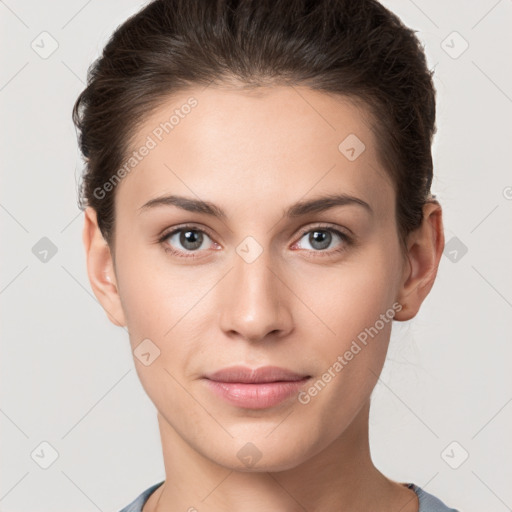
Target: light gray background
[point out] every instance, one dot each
(67, 374)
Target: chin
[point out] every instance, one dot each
(258, 457)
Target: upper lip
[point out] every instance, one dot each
(254, 375)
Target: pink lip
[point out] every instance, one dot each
(255, 388)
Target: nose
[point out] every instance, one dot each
(255, 302)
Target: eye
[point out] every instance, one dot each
(321, 238)
(186, 239)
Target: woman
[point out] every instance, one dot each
(257, 213)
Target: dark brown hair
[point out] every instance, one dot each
(357, 49)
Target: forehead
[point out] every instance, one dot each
(275, 144)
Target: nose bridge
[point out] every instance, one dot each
(254, 305)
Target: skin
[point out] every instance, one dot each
(296, 306)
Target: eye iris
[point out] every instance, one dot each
(191, 237)
(324, 237)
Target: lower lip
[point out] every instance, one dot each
(256, 396)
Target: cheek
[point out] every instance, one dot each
(356, 302)
(349, 297)
(362, 316)
(169, 304)
(154, 294)
(155, 301)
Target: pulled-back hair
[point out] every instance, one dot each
(357, 49)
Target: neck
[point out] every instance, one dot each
(338, 477)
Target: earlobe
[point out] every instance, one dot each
(425, 248)
(100, 269)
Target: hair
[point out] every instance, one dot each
(357, 50)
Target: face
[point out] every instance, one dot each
(259, 278)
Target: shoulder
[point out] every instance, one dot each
(137, 504)
(428, 502)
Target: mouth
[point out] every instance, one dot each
(262, 375)
(259, 388)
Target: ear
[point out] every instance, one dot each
(100, 269)
(425, 247)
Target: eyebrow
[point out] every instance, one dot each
(298, 209)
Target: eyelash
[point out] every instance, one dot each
(191, 227)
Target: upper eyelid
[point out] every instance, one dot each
(191, 227)
(324, 228)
